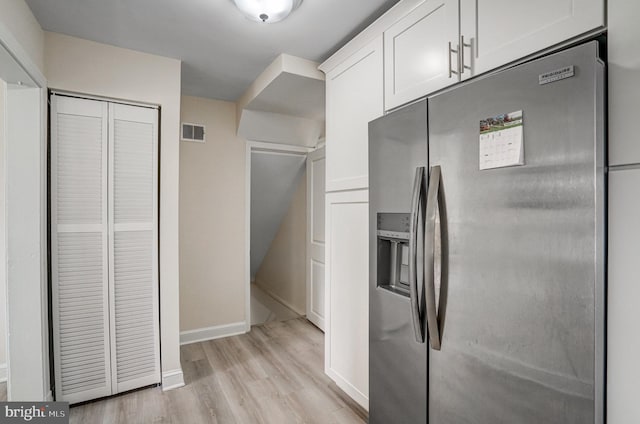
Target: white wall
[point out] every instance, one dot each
(16, 16)
(25, 206)
(3, 270)
(282, 272)
(212, 220)
(87, 67)
(27, 325)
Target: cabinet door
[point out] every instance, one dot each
(497, 32)
(347, 293)
(133, 246)
(354, 97)
(624, 73)
(79, 268)
(418, 59)
(623, 343)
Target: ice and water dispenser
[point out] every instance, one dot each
(393, 252)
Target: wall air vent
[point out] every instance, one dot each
(192, 132)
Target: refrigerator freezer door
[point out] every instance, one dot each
(522, 309)
(397, 362)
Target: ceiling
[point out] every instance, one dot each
(222, 51)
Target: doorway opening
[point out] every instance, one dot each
(277, 232)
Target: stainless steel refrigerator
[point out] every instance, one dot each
(487, 222)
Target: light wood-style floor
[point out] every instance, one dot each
(274, 375)
(265, 308)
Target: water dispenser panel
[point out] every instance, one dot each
(393, 252)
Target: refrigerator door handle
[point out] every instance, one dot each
(416, 202)
(433, 195)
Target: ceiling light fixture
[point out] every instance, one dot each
(268, 11)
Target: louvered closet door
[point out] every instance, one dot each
(133, 216)
(79, 249)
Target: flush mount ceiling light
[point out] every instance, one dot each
(269, 11)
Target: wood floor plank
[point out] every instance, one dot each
(312, 406)
(277, 410)
(192, 352)
(346, 416)
(185, 405)
(154, 408)
(244, 410)
(272, 375)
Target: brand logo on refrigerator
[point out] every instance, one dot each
(556, 75)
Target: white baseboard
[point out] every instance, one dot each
(172, 379)
(349, 389)
(3, 373)
(279, 299)
(211, 333)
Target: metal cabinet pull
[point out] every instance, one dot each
(449, 51)
(416, 214)
(462, 46)
(433, 197)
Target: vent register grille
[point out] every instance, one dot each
(104, 286)
(193, 132)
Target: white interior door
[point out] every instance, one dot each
(79, 249)
(315, 237)
(133, 246)
(104, 243)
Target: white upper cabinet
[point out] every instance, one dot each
(421, 52)
(497, 32)
(624, 73)
(354, 97)
(441, 42)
